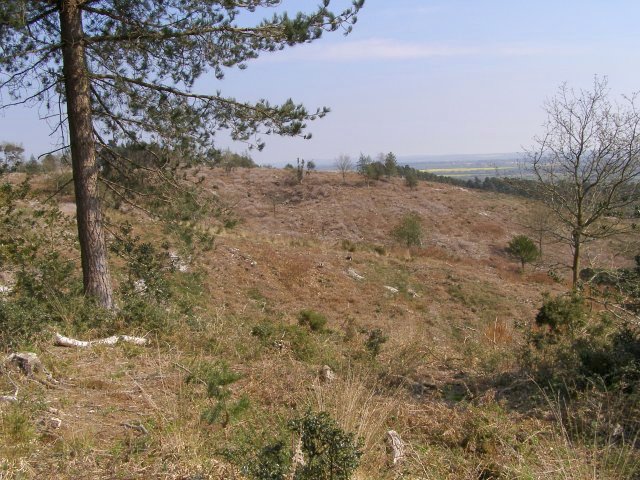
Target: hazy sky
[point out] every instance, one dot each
(426, 76)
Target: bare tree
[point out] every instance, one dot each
(344, 164)
(540, 221)
(587, 165)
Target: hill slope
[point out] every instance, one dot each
(448, 319)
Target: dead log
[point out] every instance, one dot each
(63, 341)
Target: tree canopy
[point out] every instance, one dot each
(143, 58)
(115, 72)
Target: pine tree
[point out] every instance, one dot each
(126, 70)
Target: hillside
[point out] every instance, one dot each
(455, 312)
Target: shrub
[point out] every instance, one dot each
(216, 378)
(411, 179)
(348, 245)
(524, 249)
(409, 230)
(563, 314)
(273, 462)
(304, 346)
(314, 320)
(330, 453)
(375, 339)
(580, 349)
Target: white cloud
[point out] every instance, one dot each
(386, 49)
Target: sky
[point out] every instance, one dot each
(418, 77)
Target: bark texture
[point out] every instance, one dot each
(95, 268)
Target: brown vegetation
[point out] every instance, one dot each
(446, 380)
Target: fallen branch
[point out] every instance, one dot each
(63, 341)
(138, 427)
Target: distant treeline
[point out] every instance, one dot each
(512, 186)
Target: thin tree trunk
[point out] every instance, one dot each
(95, 269)
(575, 267)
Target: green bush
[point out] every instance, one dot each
(330, 453)
(409, 230)
(524, 249)
(562, 315)
(22, 321)
(273, 462)
(411, 179)
(579, 349)
(304, 346)
(348, 245)
(216, 378)
(314, 320)
(375, 339)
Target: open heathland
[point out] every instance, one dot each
(295, 298)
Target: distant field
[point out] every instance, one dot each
(475, 171)
(468, 166)
(465, 169)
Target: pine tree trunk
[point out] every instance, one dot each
(95, 269)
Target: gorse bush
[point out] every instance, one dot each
(562, 315)
(39, 281)
(411, 179)
(146, 268)
(304, 346)
(272, 463)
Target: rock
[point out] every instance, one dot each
(177, 262)
(395, 448)
(353, 274)
(412, 292)
(327, 375)
(52, 422)
(140, 286)
(391, 289)
(28, 362)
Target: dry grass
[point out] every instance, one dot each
(437, 381)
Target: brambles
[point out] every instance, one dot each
(409, 230)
